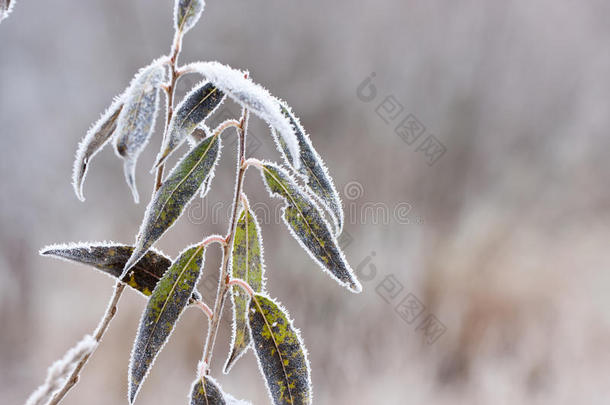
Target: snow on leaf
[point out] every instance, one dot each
(110, 258)
(196, 106)
(6, 6)
(136, 121)
(312, 169)
(246, 264)
(280, 352)
(187, 13)
(206, 391)
(59, 371)
(250, 95)
(95, 139)
(180, 186)
(307, 224)
(165, 306)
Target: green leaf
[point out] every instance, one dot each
(110, 258)
(95, 139)
(165, 305)
(247, 265)
(136, 121)
(308, 226)
(175, 193)
(194, 109)
(280, 352)
(312, 169)
(205, 391)
(187, 13)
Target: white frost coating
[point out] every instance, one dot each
(188, 23)
(231, 400)
(237, 290)
(357, 287)
(92, 140)
(250, 95)
(86, 245)
(4, 10)
(136, 121)
(61, 370)
(335, 212)
(207, 183)
(131, 395)
(297, 332)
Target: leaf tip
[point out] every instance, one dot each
(161, 159)
(133, 392)
(355, 287)
(130, 178)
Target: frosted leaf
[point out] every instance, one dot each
(187, 13)
(206, 391)
(308, 226)
(250, 95)
(59, 371)
(246, 264)
(110, 258)
(280, 352)
(178, 189)
(312, 169)
(207, 183)
(6, 6)
(136, 121)
(95, 139)
(196, 106)
(165, 306)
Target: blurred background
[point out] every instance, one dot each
(468, 140)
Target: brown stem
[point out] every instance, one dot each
(224, 272)
(170, 88)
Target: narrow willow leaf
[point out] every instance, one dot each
(250, 95)
(136, 121)
(187, 13)
(205, 391)
(246, 264)
(175, 193)
(207, 183)
(110, 258)
(6, 6)
(95, 139)
(280, 352)
(312, 169)
(165, 306)
(308, 226)
(196, 107)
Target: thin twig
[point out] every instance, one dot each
(224, 272)
(204, 307)
(171, 87)
(242, 284)
(119, 287)
(99, 332)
